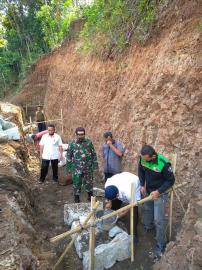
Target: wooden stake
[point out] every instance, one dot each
(65, 251)
(30, 121)
(114, 213)
(92, 237)
(62, 124)
(171, 215)
(174, 161)
(132, 222)
(26, 109)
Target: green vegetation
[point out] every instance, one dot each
(29, 29)
(199, 26)
(110, 24)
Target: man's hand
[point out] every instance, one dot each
(155, 195)
(143, 190)
(108, 204)
(109, 142)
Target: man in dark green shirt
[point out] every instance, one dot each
(81, 163)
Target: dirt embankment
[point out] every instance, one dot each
(150, 94)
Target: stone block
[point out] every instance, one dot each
(114, 231)
(82, 241)
(106, 255)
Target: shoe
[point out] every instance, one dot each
(76, 199)
(158, 252)
(55, 181)
(90, 194)
(40, 181)
(147, 230)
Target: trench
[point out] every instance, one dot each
(46, 204)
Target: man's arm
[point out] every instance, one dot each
(141, 175)
(117, 150)
(169, 177)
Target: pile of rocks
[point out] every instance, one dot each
(9, 115)
(8, 130)
(110, 246)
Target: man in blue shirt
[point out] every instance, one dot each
(112, 151)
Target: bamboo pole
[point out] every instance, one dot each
(127, 207)
(30, 121)
(92, 237)
(65, 252)
(171, 215)
(63, 235)
(45, 121)
(26, 109)
(62, 123)
(74, 238)
(174, 161)
(132, 222)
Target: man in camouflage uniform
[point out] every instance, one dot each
(81, 163)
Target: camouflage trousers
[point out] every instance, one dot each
(85, 180)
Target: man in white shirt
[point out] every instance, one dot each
(118, 191)
(50, 151)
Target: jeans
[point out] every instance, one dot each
(44, 169)
(154, 214)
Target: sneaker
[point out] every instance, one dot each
(40, 181)
(147, 230)
(76, 199)
(89, 195)
(158, 252)
(55, 180)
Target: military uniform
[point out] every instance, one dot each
(81, 162)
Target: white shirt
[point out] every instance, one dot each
(51, 146)
(123, 182)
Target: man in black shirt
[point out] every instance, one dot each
(156, 176)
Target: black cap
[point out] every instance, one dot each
(108, 134)
(80, 131)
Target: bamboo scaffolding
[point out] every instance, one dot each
(127, 207)
(31, 123)
(95, 206)
(92, 237)
(132, 222)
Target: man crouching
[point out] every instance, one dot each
(118, 192)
